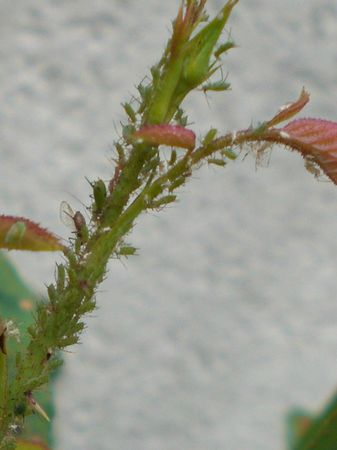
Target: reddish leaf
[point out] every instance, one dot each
(19, 233)
(290, 109)
(173, 135)
(316, 138)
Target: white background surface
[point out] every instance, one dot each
(228, 315)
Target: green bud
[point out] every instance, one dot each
(200, 49)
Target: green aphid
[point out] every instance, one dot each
(155, 72)
(61, 276)
(173, 158)
(229, 153)
(223, 48)
(128, 131)
(145, 94)
(16, 233)
(260, 129)
(210, 136)
(144, 91)
(120, 152)
(177, 183)
(127, 250)
(216, 162)
(130, 112)
(100, 193)
(52, 292)
(165, 200)
(65, 342)
(181, 118)
(216, 86)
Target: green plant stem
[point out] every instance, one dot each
(141, 183)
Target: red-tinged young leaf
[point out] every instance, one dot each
(316, 138)
(289, 110)
(19, 233)
(172, 135)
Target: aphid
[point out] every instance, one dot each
(223, 48)
(311, 166)
(210, 135)
(130, 112)
(216, 86)
(80, 223)
(263, 154)
(229, 153)
(216, 162)
(173, 158)
(73, 220)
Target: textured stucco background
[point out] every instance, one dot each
(228, 316)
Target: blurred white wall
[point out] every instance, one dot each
(228, 315)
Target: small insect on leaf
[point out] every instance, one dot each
(165, 134)
(229, 153)
(74, 220)
(216, 162)
(210, 135)
(223, 48)
(173, 158)
(80, 225)
(19, 233)
(130, 112)
(216, 86)
(311, 166)
(127, 250)
(100, 193)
